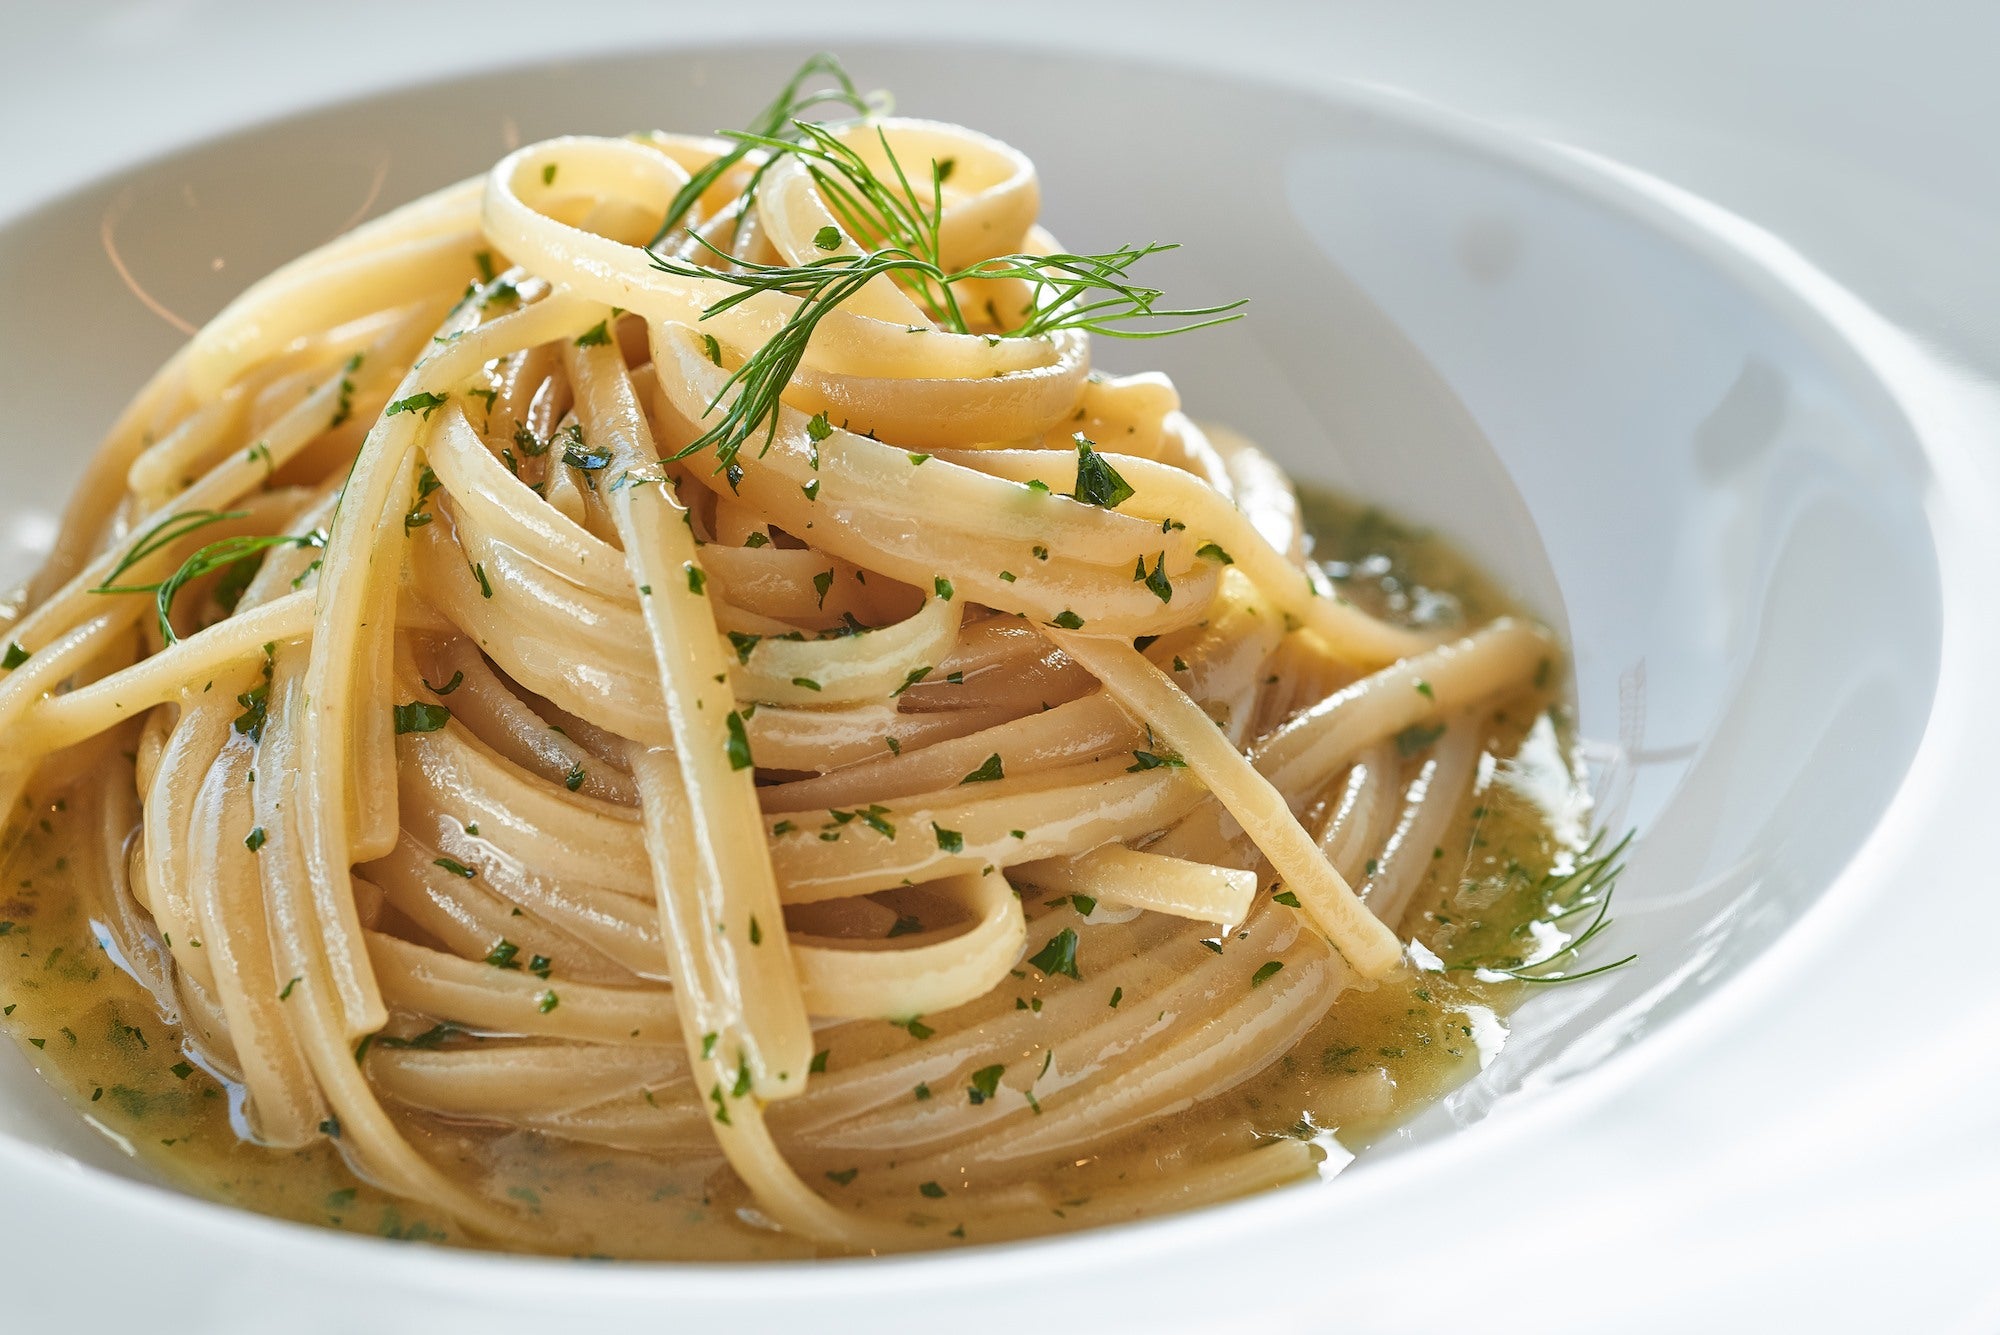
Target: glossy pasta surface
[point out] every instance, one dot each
(654, 704)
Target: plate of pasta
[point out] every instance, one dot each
(853, 675)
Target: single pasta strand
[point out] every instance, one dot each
(1149, 881)
(922, 974)
(767, 1026)
(1259, 807)
(738, 1122)
(737, 990)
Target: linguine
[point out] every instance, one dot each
(738, 692)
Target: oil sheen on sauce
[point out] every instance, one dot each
(1377, 1058)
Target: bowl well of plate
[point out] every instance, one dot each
(1655, 446)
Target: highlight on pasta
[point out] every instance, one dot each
(654, 703)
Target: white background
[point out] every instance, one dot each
(1850, 1120)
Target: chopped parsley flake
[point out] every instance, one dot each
(987, 772)
(1417, 737)
(1058, 956)
(420, 717)
(1097, 482)
(985, 1083)
(424, 402)
(577, 455)
(738, 746)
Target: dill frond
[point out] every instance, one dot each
(1587, 887)
(896, 223)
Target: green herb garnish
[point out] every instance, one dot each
(420, 717)
(1059, 955)
(1417, 737)
(738, 746)
(1587, 887)
(897, 223)
(423, 402)
(987, 772)
(1097, 482)
(985, 1083)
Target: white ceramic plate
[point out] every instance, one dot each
(1661, 430)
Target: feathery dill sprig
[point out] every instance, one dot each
(880, 215)
(163, 534)
(822, 285)
(206, 560)
(775, 121)
(897, 226)
(1586, 887)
